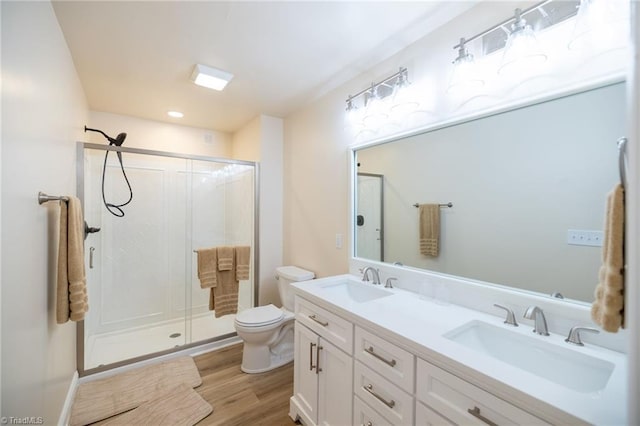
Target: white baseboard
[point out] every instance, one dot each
(68, 401)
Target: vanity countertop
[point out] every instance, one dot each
(418, 324)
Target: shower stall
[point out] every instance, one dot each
(144, 294)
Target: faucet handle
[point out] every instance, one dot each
(511, 318)
(388, 283)
(574, 334)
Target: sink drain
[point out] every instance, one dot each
(174, 335)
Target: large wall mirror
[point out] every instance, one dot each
(520, 183)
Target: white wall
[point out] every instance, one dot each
(261, 140)
(155, 135)
(43, 111)
(317, 204)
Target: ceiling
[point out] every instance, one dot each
(136, 58)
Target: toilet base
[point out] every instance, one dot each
(261, 358)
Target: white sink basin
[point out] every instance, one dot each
(563, 366)
(353, 291)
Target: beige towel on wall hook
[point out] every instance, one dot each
(608, 308)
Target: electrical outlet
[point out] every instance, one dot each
(578, 237)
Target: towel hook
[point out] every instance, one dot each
(622, 150)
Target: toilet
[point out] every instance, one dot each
(267, 331)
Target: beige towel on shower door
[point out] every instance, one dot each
(608, 308)
(429, 229)
(243, 257)
(207, 267)
(71, 287)
(224, 297)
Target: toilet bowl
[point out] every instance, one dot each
(267, 331)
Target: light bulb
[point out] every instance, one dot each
(465, 74)
(403, 100)
(376, 112)
(601, 24)
(522, 54)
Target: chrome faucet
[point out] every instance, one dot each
(535, 313)
(574, 334)
(374, 272)
(389, 281)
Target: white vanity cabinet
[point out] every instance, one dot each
(323, 367)
(463, 403)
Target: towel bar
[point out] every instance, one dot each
(441, 205)
(43, 198)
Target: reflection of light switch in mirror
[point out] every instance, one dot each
(584, 238)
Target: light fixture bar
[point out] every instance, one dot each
(402, 71)
(501, 24)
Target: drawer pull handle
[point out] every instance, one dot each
(311, 366)
(322, 323)
(370, 351)
(318, 369)
(476, 413)
(369, 388)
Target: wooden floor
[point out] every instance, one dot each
(238, 398)
(243, 399)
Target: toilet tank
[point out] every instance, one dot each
(287, 275)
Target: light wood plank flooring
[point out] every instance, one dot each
(243, 399)
(240, 399)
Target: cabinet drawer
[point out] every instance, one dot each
(363, 415)
(385, 358)
(393, 403)
(326, 324)
(425, 416)
(456, 400)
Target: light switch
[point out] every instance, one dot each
(338, 241)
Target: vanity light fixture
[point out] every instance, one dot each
(465, 73)
(522, 51)
(369, 109)
(175, 114)
(209, 77)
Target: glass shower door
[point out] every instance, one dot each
(144, 293)
(135, 278)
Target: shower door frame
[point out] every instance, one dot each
(80, 329)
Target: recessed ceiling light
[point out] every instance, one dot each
(175, 114)
(211, 78)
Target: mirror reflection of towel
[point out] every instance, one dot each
(429, 229)
(608, 308)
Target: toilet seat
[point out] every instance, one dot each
(259, 316)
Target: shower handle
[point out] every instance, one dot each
(89, 230)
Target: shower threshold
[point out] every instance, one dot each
(112, 347)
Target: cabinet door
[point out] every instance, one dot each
(335, 386)
(305, 374)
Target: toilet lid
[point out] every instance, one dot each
(261, 315)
